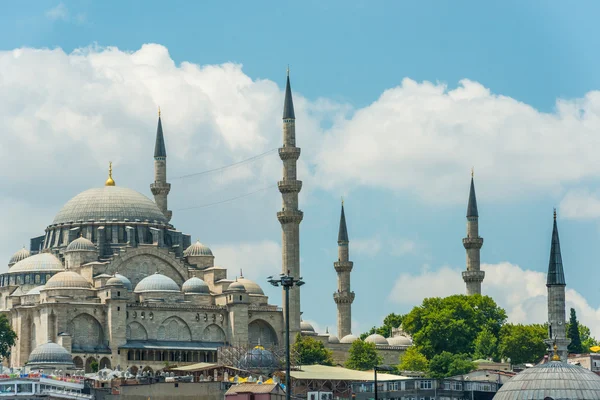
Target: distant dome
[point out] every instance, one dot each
(43, 262)
(197, 249)
(258, 359)
(555, 380)
(400, 341)
(306, 327)
(236, 287)
(109, 203)
(50, 354)
(377, 339)
(333, 339)
(156, 283)
(67, 280)
(35, 290)
(251, 286)
(18, 256)
(81, 244)
(195, 285)
(349, 339)
(114, 281)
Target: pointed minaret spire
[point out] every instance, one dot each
(343, 297)
(557, 334)
(288, 105)
(160, 188)
(473, 276)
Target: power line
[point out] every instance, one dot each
(228, 200)
(227, 166)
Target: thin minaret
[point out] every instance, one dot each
(290, 216)
(343, 266)
(160, 188)
(557, 333)
(473, 276)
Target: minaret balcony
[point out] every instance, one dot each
(343, 297)
(160, 188)
(473, 276)
(289, 186)
(290, 216)
(343, 266)
(289, 153)
(472, 243)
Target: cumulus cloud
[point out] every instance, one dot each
(59, 12)
(256, 260)
(521, 292)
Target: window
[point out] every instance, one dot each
(37, 279)
(240, 298)
(119, 293)
(393, 386)
(118, 308)
(456, 385)
(26, 279)
(425, 385)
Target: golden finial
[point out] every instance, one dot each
(158, 111)
(555, 357)
(110, 181)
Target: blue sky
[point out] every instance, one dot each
(344, 55)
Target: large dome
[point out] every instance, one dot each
(67, 280)
(109, 203)
(156, 283)
(251, 286)
(43, 262)
(50, 354)
(555, 380)
(196, 286)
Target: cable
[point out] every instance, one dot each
(228, 200)
(227, 166)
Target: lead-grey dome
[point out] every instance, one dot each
(109, 203)
(50, 354)
(348, 339)
(43, 262)
(81, 244)
(197, 249)
(18, 256)
(195, 285)
(156, 283)
(119, 279)
(555, 380)
(377, 339)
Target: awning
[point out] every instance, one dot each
(196, 367)
(170, 345)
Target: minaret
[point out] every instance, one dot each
(557, 333)
(473, 276)
(290, 216)
(160, 188)
(343, 297)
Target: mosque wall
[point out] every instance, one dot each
(138, 263)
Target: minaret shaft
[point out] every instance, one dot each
(344, 297)
(473, 276)
(160, 188)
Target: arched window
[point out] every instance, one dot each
(27, 279)
(37, 279)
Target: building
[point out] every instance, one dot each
(43, 386)
(255, 391)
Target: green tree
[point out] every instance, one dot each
(523, 343)
(412, 360)
(447, 364)
(8, 337)
(452, 324)
(312, 351)
(362, 356)
(587, 340)
(94, 366)
(573, 333)
(486, 345)
(390, 322)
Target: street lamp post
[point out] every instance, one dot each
(287, 282)
(379, 368)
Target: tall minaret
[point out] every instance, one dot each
(473, 276)
(160, 188)
(557, 333)
(343, 297)
(290, 216)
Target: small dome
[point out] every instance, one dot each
(195, 285)
(259, 359)
(50, 353)
(35, 290)
(377, 339)
(197, 249)
(236, 287)
(156, 283)
(251, 286)
(349, 339)
(555, 380)
(125, 280)
(333, 339)
(18, 256)
(306, 327)
(67, 280)
(114, 281)
(81, 244)
(400, 341)
(42, 262)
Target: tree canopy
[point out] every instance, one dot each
(390, 322)
(523, 343)
(412, 360)
(312, 351)
(447, 364)
(452, 323)
(362, 356)
(7, 337)
(486, 345)
(573, 333)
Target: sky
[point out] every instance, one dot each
(395, 103)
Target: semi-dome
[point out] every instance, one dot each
(251, 286)
(236, 286)
(306, 327)
(197, 249)
(18, 256)
(348, 339)
(109, 203)
(35, 290)
(43, 262)
(81, 244)
(400, 341)
(50, 354)
(554, 380)
(156, 283)
(195, 285)
(67, 280)
(377, 339)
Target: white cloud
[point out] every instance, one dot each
(60, 12)
(521, 292)
(373, 245)
(580, 204)
(256, 260)
(370, 246)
